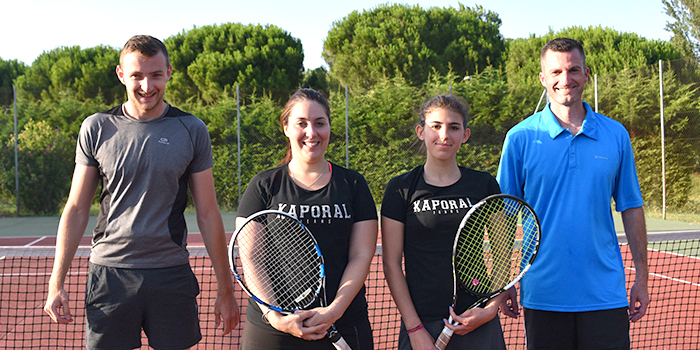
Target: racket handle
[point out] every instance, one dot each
(445, 336)
(341, 344)
(338, 341)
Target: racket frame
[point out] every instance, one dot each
(446, 333)
(233, 251)
(320, 294)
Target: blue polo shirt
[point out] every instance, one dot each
(569, 180)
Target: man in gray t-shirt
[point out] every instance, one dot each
(144, 153)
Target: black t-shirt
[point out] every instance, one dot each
(431, 217)
(329, 213)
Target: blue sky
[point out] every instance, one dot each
(30, 27)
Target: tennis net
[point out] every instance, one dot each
(672, 322)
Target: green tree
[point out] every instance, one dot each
(81, 73)
(262, 141)
(66, 113)
(208, 61)
(411, 42)
(628, 91)
(607, 51)
(632, 97)
(9, 71)
(45, 168)
(316, 79)
(382, 141)
(686, 25)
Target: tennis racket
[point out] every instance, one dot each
(277, 261)
(495, 245)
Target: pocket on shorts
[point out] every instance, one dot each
(195, 284)
(94, 288)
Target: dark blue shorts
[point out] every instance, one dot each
(120, 303)
(605, 329)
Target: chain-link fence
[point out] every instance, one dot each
(658, 105)
(380, 140)
(373, 131)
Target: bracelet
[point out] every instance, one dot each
(417, 328)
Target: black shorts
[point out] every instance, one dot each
(487, 337)
(120, 303)
(605, 329)
(258, 335)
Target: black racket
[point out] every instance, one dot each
(496, 243)
(277, 261)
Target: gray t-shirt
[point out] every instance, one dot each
(144, 167)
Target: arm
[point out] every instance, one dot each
(511, 181)
(363, 242)
(476, 317)
(292, 324)
(313, 324)
(502, 232)
(212, 230)
(510, 176)
(71, 229)
(392, 256)
(509, 303)
(636, 232)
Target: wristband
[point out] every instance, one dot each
(419, 327)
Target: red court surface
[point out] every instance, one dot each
(193, 239)
(672, 322)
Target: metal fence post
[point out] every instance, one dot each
(238, 131)
(595, 87)
(663, 140)
(347, 129)
(14, 97)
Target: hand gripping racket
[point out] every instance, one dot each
(496, 243)
(277, 261)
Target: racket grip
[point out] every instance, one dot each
(445, 336)
(338, 341)
(341, 344)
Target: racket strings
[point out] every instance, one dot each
(495, 244)
(280, 262)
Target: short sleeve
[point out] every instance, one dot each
(627, 193)
(85, 147)
(509, 176)
(203, 156)
(253, 199)
(365, 208)
(393, 203)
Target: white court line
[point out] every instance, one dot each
(668, 278)
(41, 274)
(675, 254)
(35, 241)
(671, 278)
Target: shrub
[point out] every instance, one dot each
(45, 166)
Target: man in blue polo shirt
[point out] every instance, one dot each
(568, 162)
